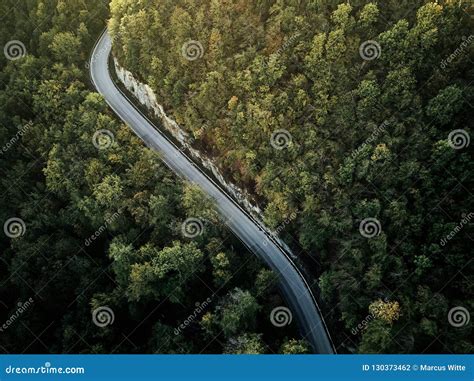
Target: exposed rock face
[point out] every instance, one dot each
(147, 97)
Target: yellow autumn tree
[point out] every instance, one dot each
(385, 310)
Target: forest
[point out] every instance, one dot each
(354, 116)
(106, 250)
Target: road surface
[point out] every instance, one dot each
(293, 285)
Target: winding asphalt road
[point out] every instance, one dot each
(293, 285)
